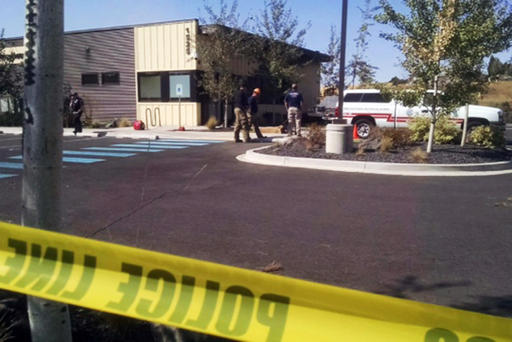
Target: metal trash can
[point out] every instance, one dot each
(338, 138)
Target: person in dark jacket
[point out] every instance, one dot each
(241, 121)
(252, 113)
(76, 106)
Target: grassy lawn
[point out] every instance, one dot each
(499, 95)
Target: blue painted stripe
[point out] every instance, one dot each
(158, 143)
(121, 149)
(72, 160)
(16, 166)
(6, 175)
(197, 141)
(161, 146)
(98, 154)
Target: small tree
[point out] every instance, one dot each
(282, 57)
(330, 70)
(449, 38)
(358, 67)
(11, 83)
(223, 44)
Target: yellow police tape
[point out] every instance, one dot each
(221, 300)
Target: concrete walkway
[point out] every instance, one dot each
(194, 133)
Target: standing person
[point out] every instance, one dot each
(241, 122)
(76, 105)
(252, 113)
(293, 103)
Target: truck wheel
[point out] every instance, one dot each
(364, 127)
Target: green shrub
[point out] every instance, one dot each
(419, 127)
(446, 131)
(212, 123)
(490, 137)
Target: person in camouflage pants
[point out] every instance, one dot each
(241, 120)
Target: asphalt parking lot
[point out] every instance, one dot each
(437, 240)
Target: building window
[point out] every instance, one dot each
(110, 77)
(88, 79)
(150, 88)
(179, 86)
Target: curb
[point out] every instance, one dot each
(395, 169)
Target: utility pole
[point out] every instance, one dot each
(42, 147)
(341, 86)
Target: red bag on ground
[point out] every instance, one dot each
(138, 125)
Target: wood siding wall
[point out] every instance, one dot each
(98, 52)
(166, 47)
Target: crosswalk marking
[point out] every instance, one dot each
(99, 154)
(170, 143)
(16, 166)
(177, 147)
(192, 141)
(116, 150)
(122, 149)
(69, 160)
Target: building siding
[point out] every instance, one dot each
(109, 50)
(164, 47)
(98, 52)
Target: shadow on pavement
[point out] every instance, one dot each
(411, 284)
(496, 306)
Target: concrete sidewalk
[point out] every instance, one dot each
(197, 133)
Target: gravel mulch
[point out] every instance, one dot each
(441, 154)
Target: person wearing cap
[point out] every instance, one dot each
(241, 122)
(252, 113)
(76, 106)
(293, 103)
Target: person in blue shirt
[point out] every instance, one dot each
(293, 102)
(252, 113)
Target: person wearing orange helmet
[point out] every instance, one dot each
(252, 113)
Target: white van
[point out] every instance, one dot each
(366, 108)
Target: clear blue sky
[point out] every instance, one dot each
(88, 14)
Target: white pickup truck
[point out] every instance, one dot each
(366, 108)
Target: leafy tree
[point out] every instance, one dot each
(11, 84)
(218, 50)
(448, 38)
(330, 70)
(282, 43)
(358, 67)
(495, 68)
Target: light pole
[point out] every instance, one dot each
(341, 86)
(42, 147)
